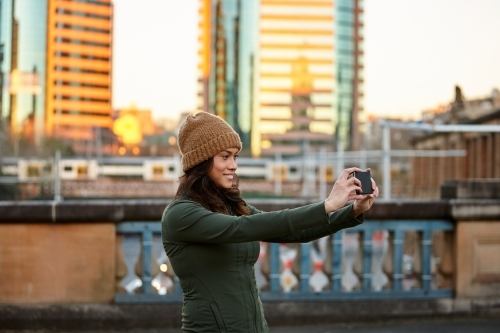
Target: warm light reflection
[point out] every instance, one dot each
(163, 268)
(129, 129)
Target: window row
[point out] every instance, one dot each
(80, 113)
(95, 2)
(61, 25)
(79, 84)
(80, 99)
(82, 14)
(80, 42)
(79, 56)
(79, 70)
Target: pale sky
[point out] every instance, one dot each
(416, 51)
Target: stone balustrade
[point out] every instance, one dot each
(70, 251)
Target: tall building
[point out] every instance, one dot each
(227, 45)
(56, 67)
(284, 73)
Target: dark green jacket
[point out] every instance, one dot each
(214, 255)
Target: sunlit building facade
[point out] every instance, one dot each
(285, 74)
(226, 53)
(56, 67)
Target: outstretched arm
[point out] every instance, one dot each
(340, 219)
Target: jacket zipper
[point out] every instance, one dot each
(254, 304)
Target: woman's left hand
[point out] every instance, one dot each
(362, 205)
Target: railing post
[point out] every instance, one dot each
(397, 260)
(367, 260)
(305, 265)
(147, 242)
(426, 260)
(274, 277)
(337, 261)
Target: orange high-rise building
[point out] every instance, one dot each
(57, 67)
(78, 67)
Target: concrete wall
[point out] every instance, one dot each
(478, 262)
(57, 263)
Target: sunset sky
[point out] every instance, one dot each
(416, 51)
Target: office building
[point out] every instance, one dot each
(285, 74)
(56, 68)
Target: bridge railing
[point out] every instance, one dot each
(379, 259)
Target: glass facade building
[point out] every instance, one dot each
(227, 46)
(56, 67)
(23, 42)
(283, 73)
(349, 71)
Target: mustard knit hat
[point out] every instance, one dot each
(204, 135)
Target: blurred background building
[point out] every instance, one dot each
(284, 73)
(482, 158)
(139, 135)
(56, 63)
(287, 75)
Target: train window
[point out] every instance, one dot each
(293, 169)
(82, 170)
(171, 169)
(33, 171)
(68, 168)
(157, 170)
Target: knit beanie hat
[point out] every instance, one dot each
(204, 135)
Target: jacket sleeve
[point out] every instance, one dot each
(185, 221)
(340, 219)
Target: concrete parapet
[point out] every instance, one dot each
(123, 317)
(475, 206)
(151, 210)
(471, 188)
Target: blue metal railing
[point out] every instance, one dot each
(396, 227)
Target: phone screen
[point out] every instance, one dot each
(366, 182)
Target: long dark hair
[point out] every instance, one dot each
(197, 186)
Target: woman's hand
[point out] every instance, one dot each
(344, 190)
(362, 205)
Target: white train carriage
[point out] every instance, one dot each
(164, 169)
(33, 169)
(151, 169)
(73, 169)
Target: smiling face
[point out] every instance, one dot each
(224, 167)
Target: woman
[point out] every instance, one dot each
(211, 235)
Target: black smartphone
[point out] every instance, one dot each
(366, 181)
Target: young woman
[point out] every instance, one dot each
(211, 235)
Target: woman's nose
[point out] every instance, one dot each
(233, 165)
